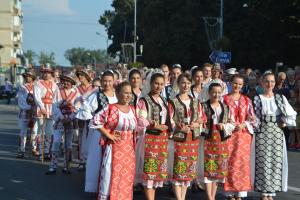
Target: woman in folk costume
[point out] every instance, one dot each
(273, 112)
(117, 123)
(85, 89)
(238, 181)
(63, 114)
(135, 80)
(186, 114)
(197, 76)
(92, 104)
(26, 115)
(216, 129)
(44, 93)
(153, 115)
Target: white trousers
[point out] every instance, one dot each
(23, 125)
(57, 139)
(44, 126)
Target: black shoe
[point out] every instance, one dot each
(51, 171)
(47, 156)
(81, 167)
(66, 171)
(20, 155)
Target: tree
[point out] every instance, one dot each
(82, 56)
(258, 34)
(45, 58)
(30, 55)
(118, 24)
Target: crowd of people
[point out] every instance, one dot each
(165, 126)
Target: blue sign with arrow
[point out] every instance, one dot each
(220, 57)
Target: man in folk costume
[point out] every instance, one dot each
(26, 115)
(63, 112)
(44, 92)
(85, 89)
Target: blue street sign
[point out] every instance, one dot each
(220, 57)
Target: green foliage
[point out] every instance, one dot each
(136, 65)
(30, 55)
(118, 24)
(82, 56)
(258, 34)
(45, 58)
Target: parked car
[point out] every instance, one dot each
(3, 94)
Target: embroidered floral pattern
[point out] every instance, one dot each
(150, 165)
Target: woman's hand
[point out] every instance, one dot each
(43, 111)
(161, 127)
(194, 125)
(113, 138)
(282, 124)
(151, 124)
(239, 127)
(220, 126)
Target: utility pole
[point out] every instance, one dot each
(134, 33)
(221, 18)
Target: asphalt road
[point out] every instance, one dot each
(24, 179)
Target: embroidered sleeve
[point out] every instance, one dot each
(230, 125)
(251, 121)
(257, 111)
(22, 99)
(87, 107)
(290, 119)
(142, 113)
(100, 118)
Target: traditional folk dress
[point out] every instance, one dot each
(118, 165)
(94, 104)
(44, 94)
(238, 181)
(186, 153)
(194, 93)
(63, 109)
(27, 107)
(82, 122)
(139, 144)
(215, 145)
(271, 166)
(155, 151)
(135, 99)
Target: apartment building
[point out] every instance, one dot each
(11, 32)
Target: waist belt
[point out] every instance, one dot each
(47, 101)
(270, 118)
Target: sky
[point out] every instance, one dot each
(58, 25)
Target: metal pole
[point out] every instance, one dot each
(134, 40)
(221, 19)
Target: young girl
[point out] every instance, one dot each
(152, 113)
(186, 116)
(238, 181)
(217, 128)
(273, 112)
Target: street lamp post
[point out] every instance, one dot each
(95, 61)
(134, 33)
(221, 18)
